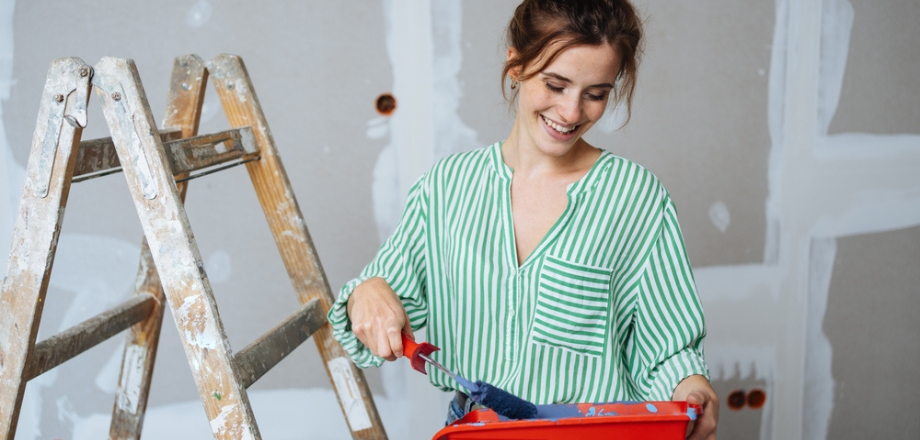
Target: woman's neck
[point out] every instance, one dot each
(527, 160)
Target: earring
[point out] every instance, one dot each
(514, 84)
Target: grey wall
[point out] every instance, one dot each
(786, 131)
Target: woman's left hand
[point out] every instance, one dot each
(697, 390)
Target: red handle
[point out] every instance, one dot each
(414, 351)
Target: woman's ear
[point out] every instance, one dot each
(514, 72)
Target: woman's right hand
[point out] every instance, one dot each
(378, 317)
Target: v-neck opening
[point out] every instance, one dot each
(573, 191)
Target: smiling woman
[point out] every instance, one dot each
(542, 264)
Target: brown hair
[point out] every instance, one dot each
(537, 24)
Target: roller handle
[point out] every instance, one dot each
(414, 351)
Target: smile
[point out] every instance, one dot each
(564, 129)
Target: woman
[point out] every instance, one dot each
(541, 264)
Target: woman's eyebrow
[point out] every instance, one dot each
(566, 80)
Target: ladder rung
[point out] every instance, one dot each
(253, 361)
(98, 157)
(192, 154)
(69, 343)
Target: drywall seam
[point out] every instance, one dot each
(409, 46)
(451, 134)
(411, 126)
(819, 380)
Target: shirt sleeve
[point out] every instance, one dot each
(667, 341)
(400, 261)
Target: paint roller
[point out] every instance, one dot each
(485, 394)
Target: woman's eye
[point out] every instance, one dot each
(596, 97)
(553, 88)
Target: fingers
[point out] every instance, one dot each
(704, 428)
(377, 318)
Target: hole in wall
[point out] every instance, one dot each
(385, 104)
(736, 400)
(756, 398)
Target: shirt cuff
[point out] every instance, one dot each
(672, 371)
(341, 328)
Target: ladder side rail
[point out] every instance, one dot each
(61, 118)
(184, 101)
(173, 248)
(242, 108)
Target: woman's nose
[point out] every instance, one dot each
(569, 109)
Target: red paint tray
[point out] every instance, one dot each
(632, 420)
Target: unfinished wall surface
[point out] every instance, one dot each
(786, 131)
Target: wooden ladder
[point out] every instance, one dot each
(157, 165)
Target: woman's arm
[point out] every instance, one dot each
(389, 294)
(378, 317)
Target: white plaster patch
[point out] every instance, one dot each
(409, 47)
(836, 24)
(349, 394)
(819, 379)
(199, 14)
(218, 266)
(377, 128)
(452, 134)
(719, 215)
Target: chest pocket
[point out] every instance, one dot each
(573, 307)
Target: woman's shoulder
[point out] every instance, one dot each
(622, 175)
(467, 160)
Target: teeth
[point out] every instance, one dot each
(558, 127)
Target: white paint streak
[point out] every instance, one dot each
(836, 23)
(452, 134)
(349, 394)
(411, 127)
(819, 378)
(219, 423)
(133, 375)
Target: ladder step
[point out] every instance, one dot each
(257, 358)
(98, 157)
(69, 343)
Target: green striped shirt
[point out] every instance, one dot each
(604, 309)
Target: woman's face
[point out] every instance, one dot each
(558, 105)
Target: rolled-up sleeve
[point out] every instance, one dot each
(401, 262)
(667, 339)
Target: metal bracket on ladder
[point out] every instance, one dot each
(157, 165)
